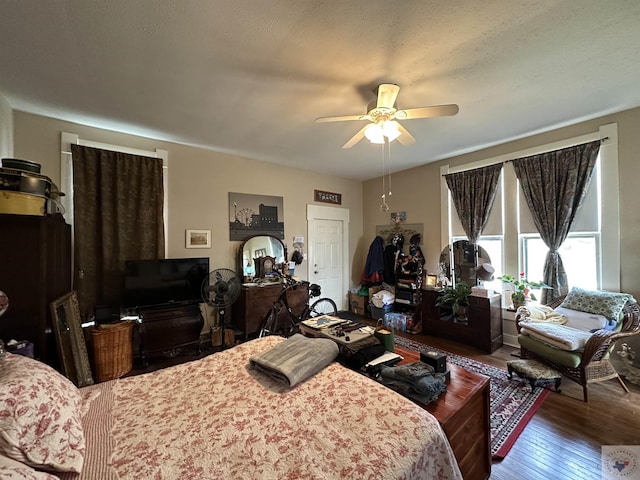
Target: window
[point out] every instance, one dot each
(581, 253)
(580, 256)
(590, 253)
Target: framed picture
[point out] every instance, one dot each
(251, 215)
(327, 197)
(397, 217)
(198, 239)
(432, 280)
(67, 329)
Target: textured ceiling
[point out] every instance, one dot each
(249, 77)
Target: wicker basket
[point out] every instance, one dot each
(111, 350)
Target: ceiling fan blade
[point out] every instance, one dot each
(405, 137)
(387, 93)
(342, 118)
(356, 138)
(426, 112)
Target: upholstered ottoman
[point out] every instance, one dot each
(538, 374)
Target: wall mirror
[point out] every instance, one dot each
(72, 349)
(458, 261)
(257, 252)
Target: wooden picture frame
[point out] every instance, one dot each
(72, 348)
(327, 197)
(198, 239)
(432, 281)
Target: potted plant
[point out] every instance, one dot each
(521, 289)
(457, 298)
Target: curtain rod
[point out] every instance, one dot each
(525, 153)
(584, 143)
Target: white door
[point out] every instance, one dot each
(328, 256)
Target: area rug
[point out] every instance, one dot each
(512, 403)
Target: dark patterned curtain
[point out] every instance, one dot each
(118, 201)
(473, 193)
(554, 185)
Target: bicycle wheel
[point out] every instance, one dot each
(324, 306)
(269, 324)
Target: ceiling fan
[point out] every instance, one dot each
(383, 115)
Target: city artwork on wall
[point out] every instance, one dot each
(255, 215)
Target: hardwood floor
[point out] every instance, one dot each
(565, 436)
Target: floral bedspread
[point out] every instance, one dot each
(218, 418)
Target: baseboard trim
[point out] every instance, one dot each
(510, 340)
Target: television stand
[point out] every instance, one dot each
(168, 328)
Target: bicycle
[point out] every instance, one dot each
(271, 325)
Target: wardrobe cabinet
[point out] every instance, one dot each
(35, 269)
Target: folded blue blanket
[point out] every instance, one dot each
(414, 379)
(296, 359)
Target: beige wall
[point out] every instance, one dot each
(6, 129)
(199, 181)
(198, 185)
(417, 191)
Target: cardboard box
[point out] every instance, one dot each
(481, 292)
(358, 304)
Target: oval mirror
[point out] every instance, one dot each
(259, 246)
(458, 262)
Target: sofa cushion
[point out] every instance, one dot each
(548, 352)
(608, 304)
(560, 336)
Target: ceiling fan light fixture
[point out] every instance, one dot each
(390, 130)
(374, 133)
(383, 113)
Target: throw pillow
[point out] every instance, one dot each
(40, 417)
(607, 304)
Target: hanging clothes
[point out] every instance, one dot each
(390, 264)
(374, 267)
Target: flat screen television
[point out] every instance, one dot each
(165, 281)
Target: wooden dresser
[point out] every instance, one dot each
(464, 414)
(168, 328)
(483, 329)
(249, 310)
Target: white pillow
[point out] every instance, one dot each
(583, 320)
(40, 416)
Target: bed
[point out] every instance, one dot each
(217, 417)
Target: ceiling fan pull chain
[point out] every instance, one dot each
(389, 166)
(383, 207)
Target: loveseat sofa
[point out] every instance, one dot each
(576, 333)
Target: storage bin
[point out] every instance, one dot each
(111, 346)
(377, 313)
(398, 321)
